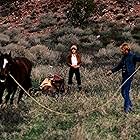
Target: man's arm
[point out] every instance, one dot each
(118, 67)
(136, 58)
(115, 69)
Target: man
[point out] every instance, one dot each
(74, 62)
(127, 65)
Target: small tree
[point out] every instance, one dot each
(80, 10)
(10, 6)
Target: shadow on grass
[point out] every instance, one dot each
(11, 118)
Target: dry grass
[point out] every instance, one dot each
(98, 108)
(94, 113)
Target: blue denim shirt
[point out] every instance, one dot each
(127, 64)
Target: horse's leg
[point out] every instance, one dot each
(2, 88)
(10, 90)
(13, 94)
(20, 96)
(26, 85)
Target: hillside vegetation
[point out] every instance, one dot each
(43, 31)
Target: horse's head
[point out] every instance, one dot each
(5, 63)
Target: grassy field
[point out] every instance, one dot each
(95, 113)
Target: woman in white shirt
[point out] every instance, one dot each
(74, 62)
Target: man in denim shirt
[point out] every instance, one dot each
(127, 64)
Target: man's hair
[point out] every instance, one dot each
(126, 46)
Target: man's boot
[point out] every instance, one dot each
(79, 87)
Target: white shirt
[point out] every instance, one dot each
(74, 59)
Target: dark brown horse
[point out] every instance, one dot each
(20, 69)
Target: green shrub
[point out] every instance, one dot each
(42, 55)
(80, 11)
(27, 23)
(47, 20)
(3, 28)
(35, 131)
(4, 39)
(136, 33)
(14, 35)
(68, 39)
(78, 31)
(60, 47)
(47, 40)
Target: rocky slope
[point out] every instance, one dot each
(14, 12)
(41, 17)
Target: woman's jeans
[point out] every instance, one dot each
(75, 71)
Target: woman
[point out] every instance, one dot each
(74, 62)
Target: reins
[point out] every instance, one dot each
(104, 104)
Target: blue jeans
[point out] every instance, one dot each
(125, 94)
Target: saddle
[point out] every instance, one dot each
(55, 82)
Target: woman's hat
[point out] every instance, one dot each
(73, 47)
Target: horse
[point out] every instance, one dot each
(20, 68)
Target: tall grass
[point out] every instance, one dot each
(94, 113)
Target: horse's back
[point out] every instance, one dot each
(24, 64)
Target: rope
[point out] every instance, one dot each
(58, 113)
(104, 104)
(128, 79)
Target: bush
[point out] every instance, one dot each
(90, 47)
(136, 33)
(68, 39)
(78, 31)
(105, 37)
(42, 55)
(32, 41)
(47, 20)
(135, 47)
(47, 40)
(38, 54)
(4, 39)
(16, 50)
(108, 51)
(27, 23)
(124, 1)
(80, 11)
(13, 34)
(3, 28)
(60, 47)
